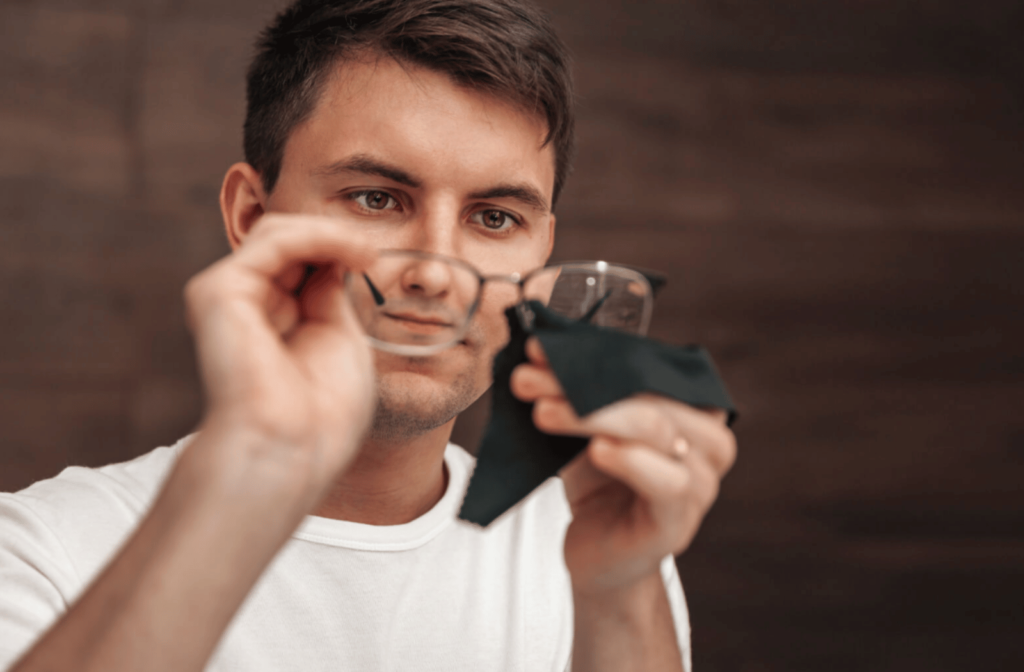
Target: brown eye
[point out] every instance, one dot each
(496, 220)
(375, 200)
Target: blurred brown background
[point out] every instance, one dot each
(832, 186)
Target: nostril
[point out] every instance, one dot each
(418, 287)
(427, 278)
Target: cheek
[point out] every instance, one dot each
(490, 326)
(521, 252)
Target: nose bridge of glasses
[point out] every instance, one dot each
(540, 284)
(501, 291)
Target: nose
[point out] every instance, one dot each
(427, 278)
(435, 233)
(436, 229)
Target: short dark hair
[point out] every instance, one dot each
(506, 48)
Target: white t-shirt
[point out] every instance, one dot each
(433, 594)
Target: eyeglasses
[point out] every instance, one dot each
(419, 303)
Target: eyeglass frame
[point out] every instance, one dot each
(523, 312)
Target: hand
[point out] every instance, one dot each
(281, 353)
(643, 485)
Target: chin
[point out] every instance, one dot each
(430, 375)
(445, 382)
(413, 402)
(418, 380)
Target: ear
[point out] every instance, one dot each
(242, 202)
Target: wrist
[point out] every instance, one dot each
(629, 627)
(633, 601)
(234, 459)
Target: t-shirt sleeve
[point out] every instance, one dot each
(36, 575)
(680, 613)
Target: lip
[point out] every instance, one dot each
(425, 320)
(422, 325)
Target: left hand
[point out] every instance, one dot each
(643, 485)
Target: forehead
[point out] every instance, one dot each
(419, 119)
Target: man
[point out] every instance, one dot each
(309, 523)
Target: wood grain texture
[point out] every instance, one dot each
(833, 189)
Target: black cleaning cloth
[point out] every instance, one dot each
(596, 367)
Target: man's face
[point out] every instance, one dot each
(424, 164)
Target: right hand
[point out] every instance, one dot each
(291, 369)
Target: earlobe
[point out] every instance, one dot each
(242, 202)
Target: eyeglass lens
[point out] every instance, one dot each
(606, 296)
(416, 303)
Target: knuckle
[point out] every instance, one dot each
(270, 234)
(679, 489)
(727, 449)
(732, 447)
(648, 424)
(268, 224)
(716, 414)
(196, 293)
(211, 289)
(204, 288)
(526, 376)
(543, 415)
(515, 381)
(660, 427)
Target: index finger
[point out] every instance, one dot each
(535, 352)
(279, 242)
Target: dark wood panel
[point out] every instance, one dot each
(832, 187)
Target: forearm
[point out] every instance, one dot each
(631, 629)
(167, 597)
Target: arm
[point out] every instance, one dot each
(272, 361)
(169, 594)
(638, 493)
(630, 629)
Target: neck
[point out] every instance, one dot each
(391, 482)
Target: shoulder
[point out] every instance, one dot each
(88, 511)
(133, 483)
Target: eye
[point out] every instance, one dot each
(374, 200)
(495, 220)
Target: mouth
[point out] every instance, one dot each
(420, 319)
(421, 324)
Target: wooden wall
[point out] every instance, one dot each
(833, 188)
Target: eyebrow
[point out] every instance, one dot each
(524, 193)
(365, 164)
